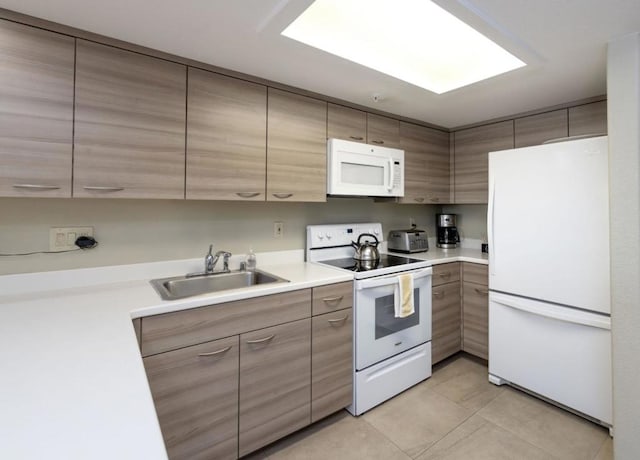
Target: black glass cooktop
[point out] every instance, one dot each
(362, 266)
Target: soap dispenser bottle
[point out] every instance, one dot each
(250, 260)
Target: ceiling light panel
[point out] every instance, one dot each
(413, 40)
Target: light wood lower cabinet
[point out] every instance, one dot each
(475, 310)
(275, 375)
(195, 391)
(228, 379)
(331, 363)
(446, 311)
(36, 114)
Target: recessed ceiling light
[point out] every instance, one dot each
(413, 40)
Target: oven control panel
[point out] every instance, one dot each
(326, 236)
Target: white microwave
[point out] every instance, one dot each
(356, 169)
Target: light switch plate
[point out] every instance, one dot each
(64, 238)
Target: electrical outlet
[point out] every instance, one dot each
(64, 238)
(278, 229)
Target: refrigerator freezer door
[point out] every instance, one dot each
(562, 354)
(548, 223)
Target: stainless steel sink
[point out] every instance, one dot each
(179, 287)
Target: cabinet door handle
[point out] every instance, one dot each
(266, 339)
(444, 274)
(282, 196)
(438, 294)
(97, 188)
(357, 138)
(213, 353)
(435, 199)
(482, 291)
(338, 320)
(247, 194)
(419, 199)
(335, 299)
(377, 142)
(36, 187)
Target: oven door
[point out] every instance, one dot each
(379, 334)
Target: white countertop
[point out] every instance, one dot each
(73, 385)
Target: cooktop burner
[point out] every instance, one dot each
(385, 261)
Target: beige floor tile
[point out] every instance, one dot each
(416, 419)
(459, 365)
(606, 451)
(470, 389)
(558, 432)
(338, 437)
(479, 439)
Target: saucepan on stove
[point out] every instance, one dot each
(366, 251)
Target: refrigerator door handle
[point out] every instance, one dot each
(491, 229)
(559, 313)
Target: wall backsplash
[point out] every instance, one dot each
(134, 231)
(472, 219)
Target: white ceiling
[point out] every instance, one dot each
(563, 41)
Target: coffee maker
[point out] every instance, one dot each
(447, 231)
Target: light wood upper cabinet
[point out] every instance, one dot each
(383, 131)
(195, 391)
(36, 120)
(275, 383)
(588, 119)
(471, 155)
(346, 123)
(296, 147)
(129, 124)
(226, 138)
(426, 155)
(536, 129)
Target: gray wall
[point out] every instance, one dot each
(131, 231)
(623, 88)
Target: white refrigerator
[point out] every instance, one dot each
(549, 302)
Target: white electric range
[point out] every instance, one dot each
(390, 354)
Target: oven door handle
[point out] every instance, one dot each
(391, 279)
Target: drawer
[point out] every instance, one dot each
(445, 273)
(179, 329)
(332, 297)
(475, 273)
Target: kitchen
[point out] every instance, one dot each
(133, 231)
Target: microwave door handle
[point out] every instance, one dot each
(390, 175)
(390, 280)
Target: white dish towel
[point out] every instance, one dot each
(403, 298)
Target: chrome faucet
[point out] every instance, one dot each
(210, 261)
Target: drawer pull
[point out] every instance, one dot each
(438, 294)
(36, 187)
(266, 339)
(282, 196)
(338, 320)
(214, 353)
(445, 274)
(334, 300)
(377, 142)
(247, 194)
(357, 138)
(97, 188)
(419, 199)
(482, 291)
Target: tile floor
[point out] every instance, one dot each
(456, 414)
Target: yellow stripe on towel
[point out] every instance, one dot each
(406, 296)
